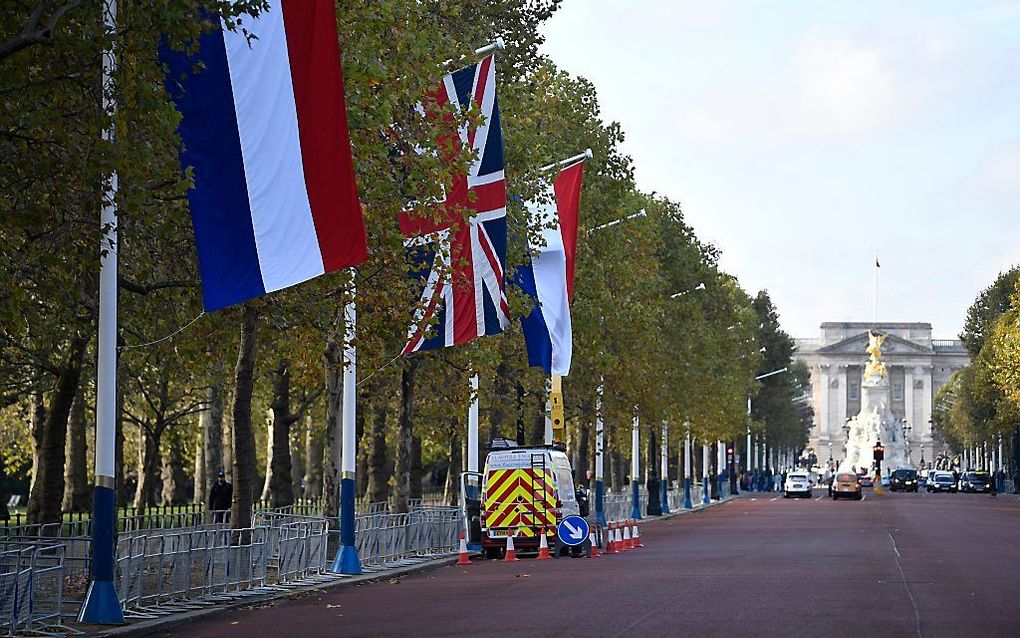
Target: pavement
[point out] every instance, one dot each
(890, 565)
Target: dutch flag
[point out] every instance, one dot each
(548, 277)
(264, 127)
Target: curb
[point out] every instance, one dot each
(149, 627)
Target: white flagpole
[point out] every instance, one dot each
(102, 605)
(580, 157)
(472, 438)
(874, 306)
(347, 560)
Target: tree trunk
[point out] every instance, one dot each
(405, 435)
(148, 470)
(45, 498)
(77, 495)
(451, 491)
(361, 462)
(332, 439)
(175, 478)
(498, 412)
(537, 434)
(584, 426)
(201, 484)
(378, 466)
(243, 440)
(227, 445)
(278, 479)
(38, 426)
(415, 491)
(297, 461)
(313, 460)
(211, 421)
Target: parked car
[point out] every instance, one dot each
(846, 484)
(797, 484)
(942, 482)
(884, 481)
(975, 482)
(864, 479)
(903, 479)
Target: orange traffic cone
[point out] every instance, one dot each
(511, 554)
(636, 538)
(594, 545)
(462, 557)
(627, 544)
(543, 548)
(611, 539)
(618, 535)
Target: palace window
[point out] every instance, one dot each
(854, 391)
(897, 391)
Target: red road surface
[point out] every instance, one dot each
(896, 565)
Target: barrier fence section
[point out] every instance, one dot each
(31, 585)
(44, 570)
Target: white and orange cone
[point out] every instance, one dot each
(636, 537)
(543, 548)
(594, 545)
(511, 554)
(618, 534)
(627, 544)
(462, 556)
(611, 539)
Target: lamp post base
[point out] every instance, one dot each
(347, 561)
(687, 495)
(635, 510)
(706, 497)
(101, 606)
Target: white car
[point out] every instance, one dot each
(797, 484)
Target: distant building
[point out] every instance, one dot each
(918, 366)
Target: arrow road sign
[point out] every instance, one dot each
(573, 530)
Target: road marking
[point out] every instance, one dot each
(819, 498)
(903, 577)
(864, 497)
(773, 498)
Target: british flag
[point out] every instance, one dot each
(459, 251)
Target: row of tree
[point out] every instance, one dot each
(981, 402)
(255, 389)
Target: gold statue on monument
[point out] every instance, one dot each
(875, 366)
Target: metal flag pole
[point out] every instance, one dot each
(706, 496)
(347, 560)
(102, 605)
(664, 470)
(580, 157)
(874, 308)
(687, 467)
(635, 467)
(472, 437)
(600, 509)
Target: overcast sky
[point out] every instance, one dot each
(802, 136)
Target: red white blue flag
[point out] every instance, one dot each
(459, 253)
(265, 129)
(548, 275)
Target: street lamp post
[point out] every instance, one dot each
(687, 468)
(635, 468)
(751, 465)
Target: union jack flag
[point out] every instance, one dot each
(460, 252)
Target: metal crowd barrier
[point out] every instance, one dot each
(31, 586)
(161, 571)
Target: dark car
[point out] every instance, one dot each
(903, 480)
(976, 482)
(942, 482)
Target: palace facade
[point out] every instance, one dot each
(918, 366)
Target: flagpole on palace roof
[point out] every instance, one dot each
(874, 300)
(580, 157)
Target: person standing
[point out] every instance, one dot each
(220, 496)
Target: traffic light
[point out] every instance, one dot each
(879, 451)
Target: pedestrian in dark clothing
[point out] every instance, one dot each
(220, 496)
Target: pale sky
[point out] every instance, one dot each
(802, 136)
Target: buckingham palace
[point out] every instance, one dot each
(918, 366)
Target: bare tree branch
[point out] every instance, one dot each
(35, 31)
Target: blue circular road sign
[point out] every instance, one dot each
(573, 530)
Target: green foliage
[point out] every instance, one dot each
(690, 357)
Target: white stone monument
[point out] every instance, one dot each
(874, 423)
